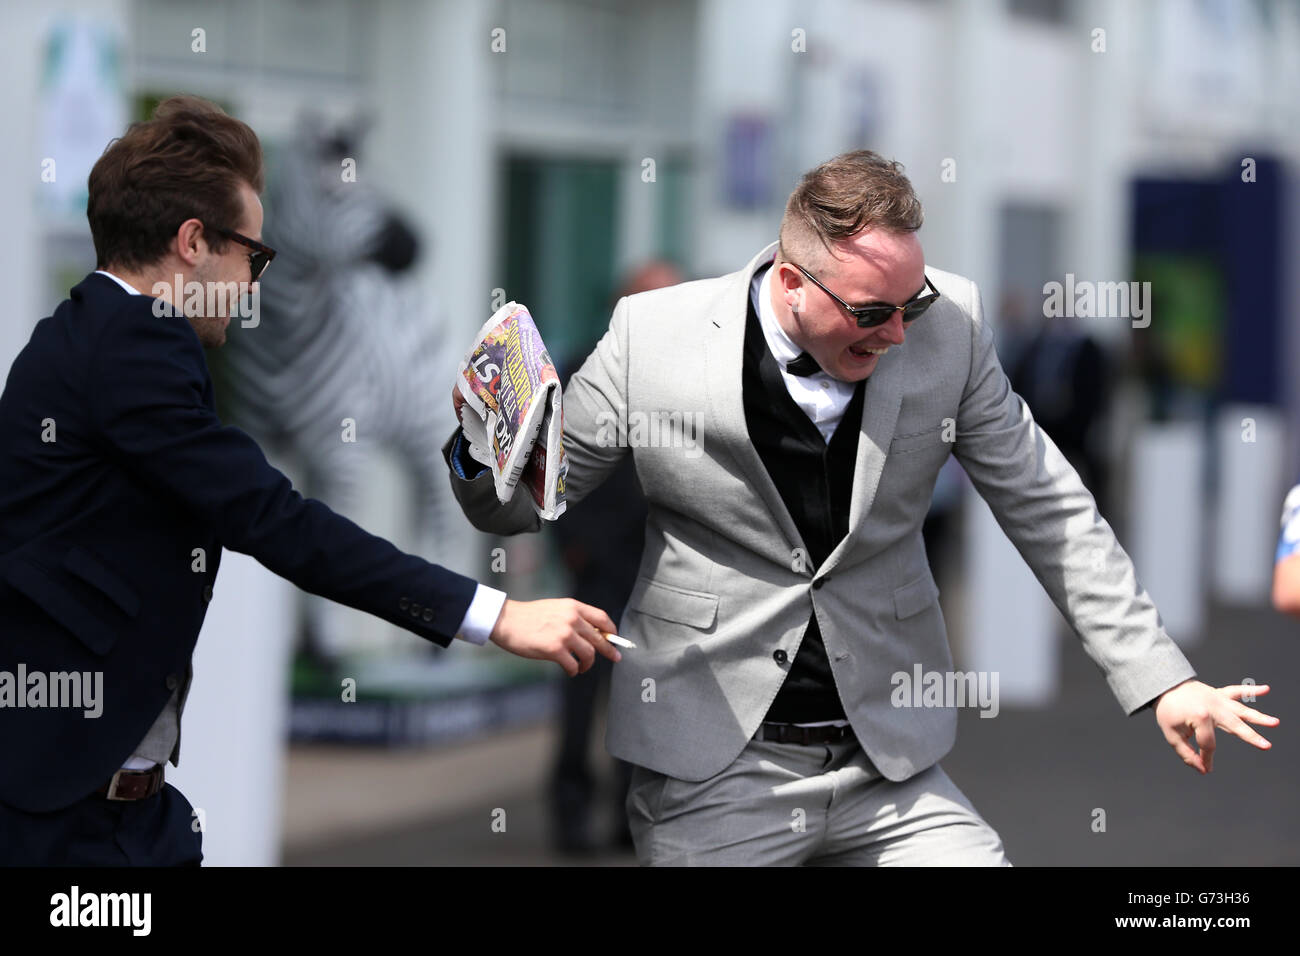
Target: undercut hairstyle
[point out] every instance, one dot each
(187, 162)
(839, 199)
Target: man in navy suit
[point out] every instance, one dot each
(119, 487)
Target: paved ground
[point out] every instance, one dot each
(1036, 775)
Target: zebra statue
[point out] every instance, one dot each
(343, 337)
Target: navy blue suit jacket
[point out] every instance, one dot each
(99, 526)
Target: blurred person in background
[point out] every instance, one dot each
(119, 487)
(784, 587)
(601, 544)
(1286, 569)
(1061, 373)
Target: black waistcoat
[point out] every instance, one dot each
(815, 480)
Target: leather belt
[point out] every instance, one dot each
(133, 784)
(794, 734)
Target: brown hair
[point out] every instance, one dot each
(185, 163)
(840, 198)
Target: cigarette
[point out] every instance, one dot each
(615, 639)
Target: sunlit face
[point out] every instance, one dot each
(874, 266)
(229, 265)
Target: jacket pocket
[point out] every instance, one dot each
(670, 603)
(90, 570)
(915, 597)
(57, 594)
(917, 442)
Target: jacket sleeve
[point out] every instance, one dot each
(1043, 506)
(592, 401)
(476, 494)
(149, 390)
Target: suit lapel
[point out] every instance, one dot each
(724, 373)
(881, 400)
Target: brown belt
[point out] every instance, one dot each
(793, 734)
(133, 784)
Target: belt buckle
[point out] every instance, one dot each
(111, 793)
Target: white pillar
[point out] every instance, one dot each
(233, 728)
(1251, 443)
(1011, 626)
(433, 146)
(1168, 520)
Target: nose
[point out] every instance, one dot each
(893, 329)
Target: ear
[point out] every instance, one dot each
(190, 242)
(791, 282)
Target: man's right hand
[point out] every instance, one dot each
(559, 629)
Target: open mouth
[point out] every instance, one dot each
(863, 352)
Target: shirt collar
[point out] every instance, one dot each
(780, 344)
(125, 285)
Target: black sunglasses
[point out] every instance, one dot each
(878, 313)
(258, 259)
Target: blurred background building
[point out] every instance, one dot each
(542, 150)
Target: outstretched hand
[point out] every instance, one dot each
(560, 629)
(1193, 709)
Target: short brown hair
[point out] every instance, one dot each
(185, 163)
(840, 198)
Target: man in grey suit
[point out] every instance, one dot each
(787, 423)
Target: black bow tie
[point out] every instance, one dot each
(805, 364)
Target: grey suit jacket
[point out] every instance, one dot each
(723, 586)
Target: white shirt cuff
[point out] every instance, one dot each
(482, 615)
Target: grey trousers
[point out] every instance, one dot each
(788, 804)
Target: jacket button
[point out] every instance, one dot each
(780, 656)
(207, 594)
(404, 603)
(428, 614)
(173, 682)
(415, 610)
(819, 582)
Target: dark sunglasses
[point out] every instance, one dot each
(258, 259)
(878, 313)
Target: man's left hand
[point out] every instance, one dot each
(1192, 709)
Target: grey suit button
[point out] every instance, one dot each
(780, 656)
(404, 603)
(428, 614)
(207, 594)
(173, 682)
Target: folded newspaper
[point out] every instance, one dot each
(513, 417)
